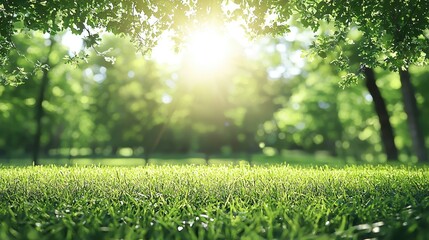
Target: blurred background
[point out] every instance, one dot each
(222, 97)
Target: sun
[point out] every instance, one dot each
(206, 52)
(207, 49)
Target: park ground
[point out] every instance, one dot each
(226, 200)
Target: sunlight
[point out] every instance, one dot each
(205, 50)
(208, 49)
(164, 53)
(73, 42)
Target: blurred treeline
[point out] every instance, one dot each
(264, 101)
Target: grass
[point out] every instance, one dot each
(290, 158)
(214, 202)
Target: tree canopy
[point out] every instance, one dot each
(394, 33)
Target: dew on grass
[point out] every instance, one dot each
(362, 227)
(143, 195)
(378, 224)
(58, 214)
(104, 229)
(254, 202)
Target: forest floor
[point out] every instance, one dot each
(214, 202)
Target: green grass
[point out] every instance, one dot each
(290, 158)
(214, 202)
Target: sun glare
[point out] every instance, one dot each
(207, 49)
(73, 42)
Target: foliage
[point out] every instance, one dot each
(102, 107)
(126, 97)
(64, 101)
(191, 202)
(143, 21)
(394, 33)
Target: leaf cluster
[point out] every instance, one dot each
(394, 32)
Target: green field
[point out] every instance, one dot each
(295, 158)
(214, 202)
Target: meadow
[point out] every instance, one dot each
(214, 202)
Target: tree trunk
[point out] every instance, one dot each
(207, 158)
(39, 108)
(114, 150)
(146, 157)
(410, 106)
(387, 134)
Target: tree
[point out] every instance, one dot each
(128, 96)
(41, 107)
(379, 104)
(17, 104)
(39, 103)
(394, 37)
(394, 32)
(387, 134)
(257, 94)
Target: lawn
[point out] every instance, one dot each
(214, 202)
(295, 158)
